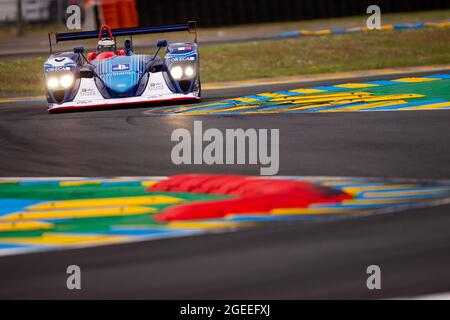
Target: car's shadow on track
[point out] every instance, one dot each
(125, 107)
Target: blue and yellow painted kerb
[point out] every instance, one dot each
(338, 31)
(408, 93)
(48, 214)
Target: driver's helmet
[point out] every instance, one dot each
(106, 45)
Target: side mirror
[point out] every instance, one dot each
(161, 43)
(87, 73)
(128, 47)
(78, 50)
(128, 44)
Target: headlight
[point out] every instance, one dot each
(52, 83)
(66, 81)
(176, 73)
(189, 71)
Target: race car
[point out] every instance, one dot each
(110, 77)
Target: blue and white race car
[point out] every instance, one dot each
(110, 77)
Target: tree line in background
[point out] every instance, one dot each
(214, 13)
(208, 13)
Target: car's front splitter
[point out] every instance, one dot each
(108, 103)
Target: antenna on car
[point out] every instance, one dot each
(50, 42)
(192, 25)
(80, 51)
(160, 44)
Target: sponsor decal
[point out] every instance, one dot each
(87, 92)
(184, 48)
(53, 69)
(182, 59)
(156, 86)
(123, 73)
(120, 67)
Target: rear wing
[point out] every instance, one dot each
(191, 27)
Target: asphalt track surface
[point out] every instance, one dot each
(288, 260)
